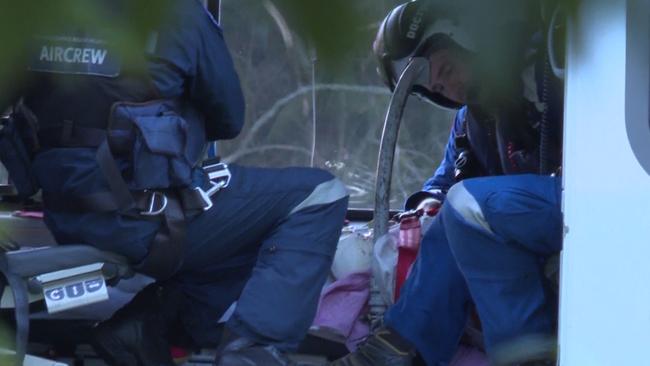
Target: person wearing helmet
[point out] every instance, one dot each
(116, 139)
(500, 219)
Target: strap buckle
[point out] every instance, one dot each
(219, 176)
(157, 204)
(218, 172)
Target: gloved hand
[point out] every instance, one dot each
(429, 206)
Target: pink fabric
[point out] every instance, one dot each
(469, 356)
(29, 214)
(342, 306)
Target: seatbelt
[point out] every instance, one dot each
(119, 188)
(147, 203)
(166, 253)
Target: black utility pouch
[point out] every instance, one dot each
(158, 156)
(16, 159)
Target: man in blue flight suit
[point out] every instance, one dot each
(116, 148)
(500, 221)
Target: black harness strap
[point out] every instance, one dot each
(96, 202)
(121, 193)
(69, 134)
(165, 255)
(145, 201)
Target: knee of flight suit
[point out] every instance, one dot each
(532, 220)
(466, 225)
(466, 208)
(328, 191)
(529, 216)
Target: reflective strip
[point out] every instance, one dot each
(328, 192)
(466, 205)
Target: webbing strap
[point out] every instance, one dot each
(191, 199)
(94, 202)
(67, 134)
(167, 249)
(120, 190)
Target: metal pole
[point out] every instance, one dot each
(417, 69)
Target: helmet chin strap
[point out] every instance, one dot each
(416, 72)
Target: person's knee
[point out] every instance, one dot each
(329, 191)
(462, 208)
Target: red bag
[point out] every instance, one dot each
(410, 234)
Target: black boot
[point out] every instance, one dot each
(137, 334)
(241, 351)
(538, 363)
(383, 348)
(529, 350)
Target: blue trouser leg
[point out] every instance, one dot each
(500, 230)
(431, 312)
(209, 296)
(277, 231)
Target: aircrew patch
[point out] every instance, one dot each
(74, 55)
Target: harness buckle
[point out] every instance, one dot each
(157, 204)
(219, 176)
(218, 173)
(206, 195)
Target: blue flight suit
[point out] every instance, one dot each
(486, 245)
(270, 237)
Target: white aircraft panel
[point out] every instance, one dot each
(605, 278)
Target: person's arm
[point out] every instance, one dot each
(216, 86)
(191, 57)
(436, 186)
